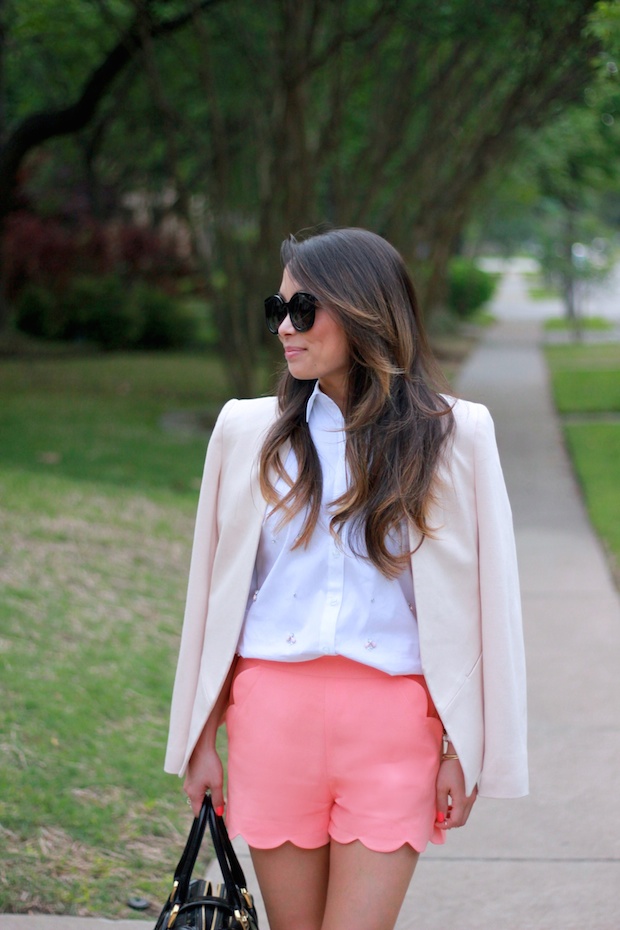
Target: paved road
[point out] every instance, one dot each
(512, 301)
(551, 861)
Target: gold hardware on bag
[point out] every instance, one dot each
(174, 888)
(242, 918)
(173, 915)
(216, 892)
(247, 896)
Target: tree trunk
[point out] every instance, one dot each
(4, 306)
(569, 278)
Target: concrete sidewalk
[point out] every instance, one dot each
(551, 861)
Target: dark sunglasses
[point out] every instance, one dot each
(301, 309)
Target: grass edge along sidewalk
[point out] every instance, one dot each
(585, 381)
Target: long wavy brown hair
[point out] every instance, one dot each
(396, 422)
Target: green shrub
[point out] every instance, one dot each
(99, 310)
(169, 323)
(469, 288)
(111, 313)
(38, 313)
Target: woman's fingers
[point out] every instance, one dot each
(456, 815)
(453, 805)
(205, 773)
(441, 804)
(461, 808)
(195, 794)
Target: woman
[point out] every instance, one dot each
(353, 562)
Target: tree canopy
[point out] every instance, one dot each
(267, 118)
(561, 195)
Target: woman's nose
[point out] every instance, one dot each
(286, 328)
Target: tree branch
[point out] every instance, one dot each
(44, 125)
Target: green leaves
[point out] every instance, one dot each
(53, 45)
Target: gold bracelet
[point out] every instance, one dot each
(448, 756)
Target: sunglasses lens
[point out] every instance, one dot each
(302, 309)
(275, 311)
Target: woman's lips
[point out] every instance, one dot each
(291, 352)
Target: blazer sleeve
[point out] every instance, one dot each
(201, 566)
(504, 769)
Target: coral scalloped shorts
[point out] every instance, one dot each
(331, 749)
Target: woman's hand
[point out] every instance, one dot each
(451, 784)
(204, 772)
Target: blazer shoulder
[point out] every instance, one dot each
(467, 411)
(473, 437)
(469, 417)
(246, 419)
(258, 410)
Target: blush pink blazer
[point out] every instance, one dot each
(466, 590)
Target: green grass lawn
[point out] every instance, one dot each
(586, 381)
(97, 506)
(98, 419)
(595, 449)
(587, 322)
(587, 391)
(585, 378)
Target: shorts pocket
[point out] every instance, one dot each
(243, 685)
(417, 683)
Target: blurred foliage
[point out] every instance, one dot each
(259, 119)
(469, 288)
(110, 312)
(45, 251)
(112, 284)
(52, 45)
(561, 199)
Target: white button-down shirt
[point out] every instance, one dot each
(322, 599)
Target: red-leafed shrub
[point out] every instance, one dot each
(44, 253)
(114, 284)
(48, 253)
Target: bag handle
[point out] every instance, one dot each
(232, 873)
(187, 862)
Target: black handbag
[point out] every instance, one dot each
(196, 904)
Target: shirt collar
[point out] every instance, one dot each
(326, 403)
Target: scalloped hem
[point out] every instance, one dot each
(438, 838)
